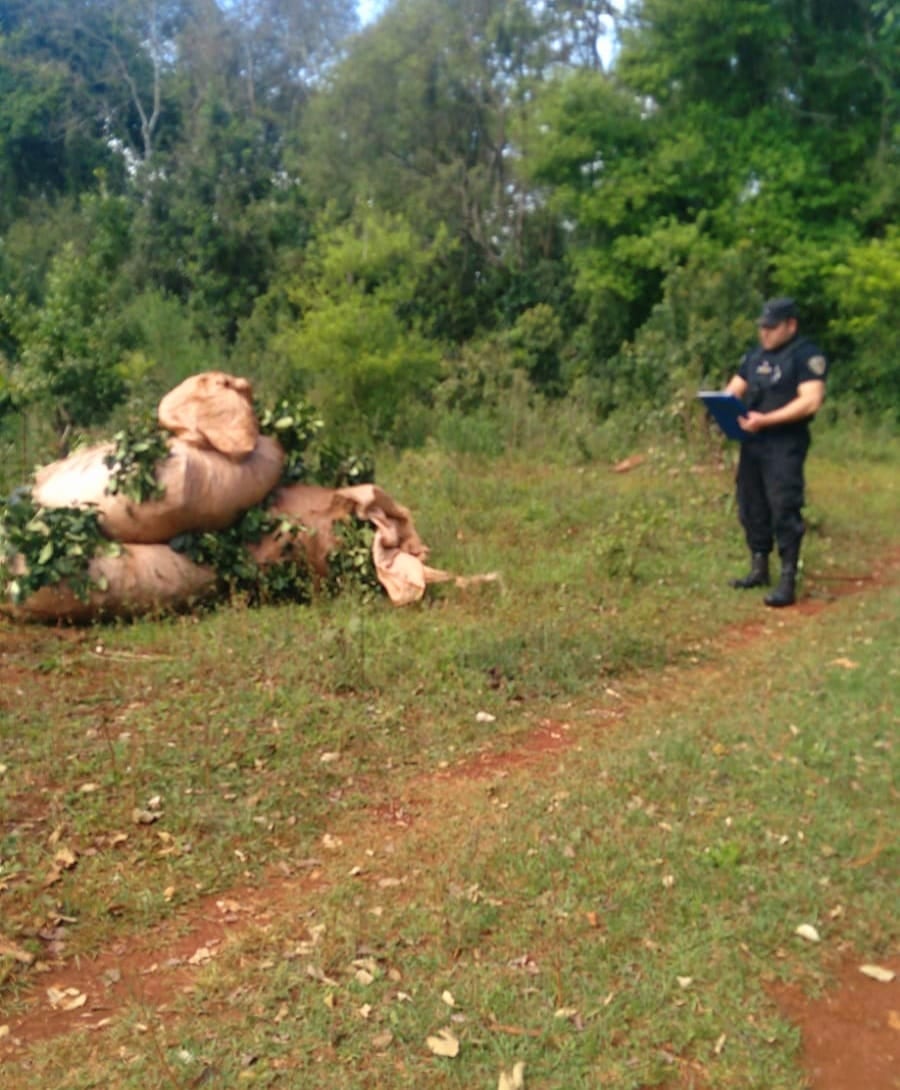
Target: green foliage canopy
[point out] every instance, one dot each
(346, 213)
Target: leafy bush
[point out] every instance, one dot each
(169, 347)
(69, 346)
(536, 341)
(866, 293)
(359, 360)
(694, 338)
(347, 329)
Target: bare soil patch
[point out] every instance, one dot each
(851, 1035)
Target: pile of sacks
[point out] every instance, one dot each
(218, 466)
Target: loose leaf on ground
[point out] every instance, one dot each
(443, 1043)
(877, 972)
(513, 1080)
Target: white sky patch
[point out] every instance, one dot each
(369, 10)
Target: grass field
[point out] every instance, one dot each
(570, 820)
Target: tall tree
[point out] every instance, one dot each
(718, 125)
(821, 74)
(213, 217)
(114, 56)
(424, 118)
(52, 135)
(284, 47)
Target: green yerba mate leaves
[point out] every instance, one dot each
(227, 552)
(47, 546)
(309, 459)
(337, 467)
(350, 565)
(137, 451)
(295, 425)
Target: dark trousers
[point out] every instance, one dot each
(770, 491)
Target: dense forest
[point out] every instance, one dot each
(411, 221)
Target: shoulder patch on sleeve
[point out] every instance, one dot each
(816, 364)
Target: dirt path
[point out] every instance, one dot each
(851, 1037)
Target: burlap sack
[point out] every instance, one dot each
(218, 467)
(213, 411)
(397, 550)
(311, 511)
(141, 579)
(154, 578)
(204, 490)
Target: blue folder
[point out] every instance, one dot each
(725, 410)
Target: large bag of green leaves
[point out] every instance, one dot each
(135, 580)
(199, 489)
(310, 514)
(214, 465)
(213, 411)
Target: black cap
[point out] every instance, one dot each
(776, 311)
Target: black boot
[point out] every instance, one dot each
(758, 576)
(785, 594)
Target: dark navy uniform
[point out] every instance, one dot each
(770, 487)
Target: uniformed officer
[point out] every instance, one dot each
(782, 383)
